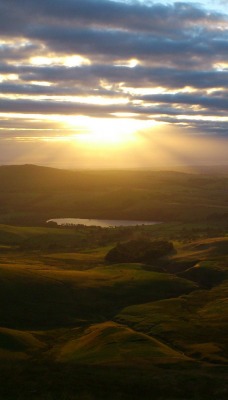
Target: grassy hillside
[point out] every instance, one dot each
(193, 323)
(72, 324)
(40, 294)
(111, 343)
(15, 344)
(32, 195)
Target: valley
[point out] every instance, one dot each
(75, 326)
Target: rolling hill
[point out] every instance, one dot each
(31, 195)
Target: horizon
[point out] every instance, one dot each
(185, 169)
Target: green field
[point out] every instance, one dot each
(73, 326)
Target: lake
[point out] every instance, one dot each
(103, 223)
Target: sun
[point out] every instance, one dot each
(106, 132)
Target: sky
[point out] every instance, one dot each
(105, 84)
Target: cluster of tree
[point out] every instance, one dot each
(139, 251)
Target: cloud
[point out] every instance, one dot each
(211, 102)
(102, 29)
(48, 107)
(138, 16)
(166, 62)
(139, 76)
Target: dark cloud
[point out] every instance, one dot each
(210, 128)
(97, 44)
(48, 107)
(57, 107)
(139, 76)
(220, 103)
(56, 90)
(102, 29)
(14, 53)
(162, 19)
(136, 77)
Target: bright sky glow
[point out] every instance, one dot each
(216, 5)
(109, 132)
(68, 61)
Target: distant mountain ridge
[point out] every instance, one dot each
(31, 194)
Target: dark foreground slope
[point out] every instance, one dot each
(76, 327)
(31, 195)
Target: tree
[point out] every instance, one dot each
(139, 251)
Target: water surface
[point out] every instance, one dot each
(103, 223)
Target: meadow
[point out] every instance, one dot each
(75, 326)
